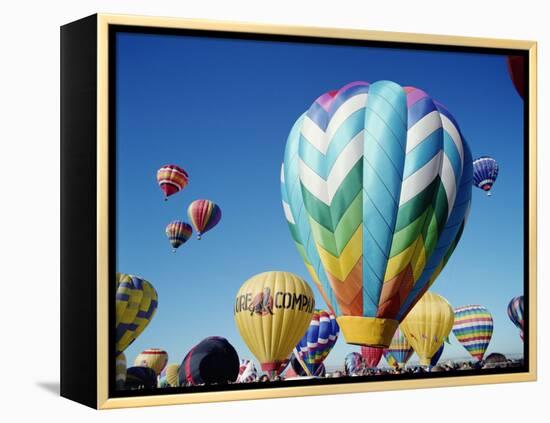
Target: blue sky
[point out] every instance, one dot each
(222, 110)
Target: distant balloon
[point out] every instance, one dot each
(376, 186)
(178, 233)
(318, 341)
(437, 356)
(399, 351)
(169, 376)
(120, 371)
(428, 325)
(136, 303)
(473, 327)
(141, 378)
(154, 358)
(247, 372)
(515, 313)
(272, 312)
(371, 356)
(485, 173)
(211, 361)
(516, 69)
(171, 179)
(204, 215)
(353, 363)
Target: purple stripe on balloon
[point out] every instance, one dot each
(414, 96)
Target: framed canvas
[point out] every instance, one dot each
(255, 211)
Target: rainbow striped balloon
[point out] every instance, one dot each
(515, 313)
(399, 352)
(178, 233)
(172, 179)
(376, 186)
(473, 327)
(204, 215)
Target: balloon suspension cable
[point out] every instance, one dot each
(302, 363)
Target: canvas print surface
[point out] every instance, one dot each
(290, 212)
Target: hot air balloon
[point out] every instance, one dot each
(516, 69)
(178, 233)
(171, 179)
(485, 173)
(437, 356)
(399, 351)
(136, 303)
(376, 186)
(428, 325)
(141, 378)
(272, 312)
(371, 356)
(247, 372)
(353, 363)
(318, 340)
(515, 313)
(120, 371)
(211, 361)
(204, 215)
(473, 327)
(169, 376)
(154, 358)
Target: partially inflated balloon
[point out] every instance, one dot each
(169, 376)
(371, 356)
(473, 327)
(141, 378)
(120, 371)
(136, 303)
(376, 186)
(172, 179)
(353, 363)
(515, 313)
(178, 233)
(153, 358)
(204, 215)
(485, 173)
(272, 312)
(318, 341)
(247, 372)
(428, 325)
(399, 351)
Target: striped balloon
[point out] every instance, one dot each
(178, 233)
(136, 303)
(247, 372)
(376, 186)
(171, 179)
(154, 358)
(371, 356)
(485, 173)
(353, 363)
(473, 327)
(318, 340)
(399, 351)
(515, 313)
(120, 371)
(204, 215)
(169, 376)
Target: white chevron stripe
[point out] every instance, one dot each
(455, 135)
(325, 190)
(419, 180)
(421, 129)
(288, 213)
(449, 183)
(345, 110)
(350, 155)
(315, 135)
(282, 173)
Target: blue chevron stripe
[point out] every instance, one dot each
(420, 109)
(423, 152)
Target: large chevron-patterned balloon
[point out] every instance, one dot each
(376, 186)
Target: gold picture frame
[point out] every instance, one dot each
(98, 27)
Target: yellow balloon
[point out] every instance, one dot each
(272, 312)
(427, 325)
(154, 358)
(171, 374)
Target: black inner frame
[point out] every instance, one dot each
(114, 29)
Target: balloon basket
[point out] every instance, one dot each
(369, 331)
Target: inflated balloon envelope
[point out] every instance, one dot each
(376, 186)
